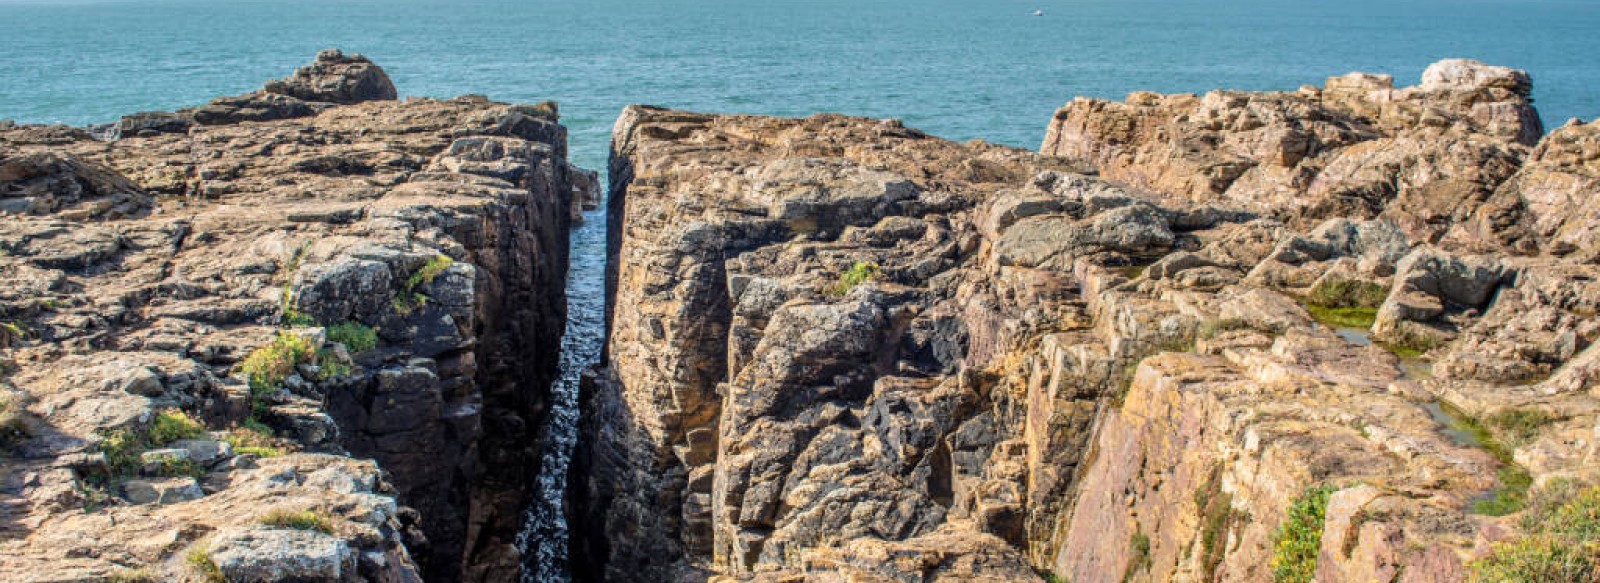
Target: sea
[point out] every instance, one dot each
(962, 69)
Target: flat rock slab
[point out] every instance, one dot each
(161, 491)
(263, 554)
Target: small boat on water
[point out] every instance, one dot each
(1038, 13)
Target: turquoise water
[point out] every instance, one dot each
(958, 68)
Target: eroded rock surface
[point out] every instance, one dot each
(360, 277)
(841, 349)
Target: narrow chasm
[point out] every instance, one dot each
(544, 537)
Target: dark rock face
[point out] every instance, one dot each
(336, 78)
(439, 225)
(332, 79)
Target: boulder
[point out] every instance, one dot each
(336, 78)
(55, 183)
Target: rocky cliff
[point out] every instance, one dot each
(213, 314)
(1342, 333)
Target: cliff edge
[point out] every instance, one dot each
(216, 316)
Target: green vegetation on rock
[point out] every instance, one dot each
(1216, 517)
(1348, 293)
(172, 425)
(253, 437)
(269, 365)
(355, 336)
(292, 316)
(1298, 541)
(1518, 426)
(1511, 492)
(1563, 542)
(1139, 559)
(12, 333)
(408, 299)
(1541, 558)
(1213, 328)
(204, 568)
(13, 418)
(856, 275)
(123, 447)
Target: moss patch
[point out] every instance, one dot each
(1343, 317)
(1213, 328)
(1511, 491)
(12, 333)
(123, 447)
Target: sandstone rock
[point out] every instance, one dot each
(814, 373)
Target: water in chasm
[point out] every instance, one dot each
(543, 539)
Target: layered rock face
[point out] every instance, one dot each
(210, 321)
(840, 349)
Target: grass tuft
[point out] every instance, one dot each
(408, 299)
(1139, 562)
(1348, 293)
(298, 520)
(858, 274)
(200, 561)
(139, 575)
